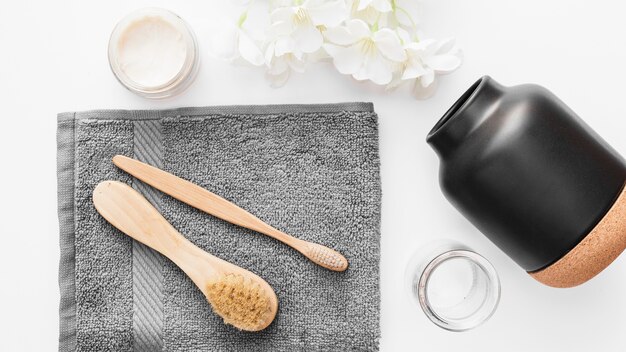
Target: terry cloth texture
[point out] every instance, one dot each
(309, 170)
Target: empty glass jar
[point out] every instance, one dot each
(456, 288)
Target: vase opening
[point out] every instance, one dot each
(458, 105)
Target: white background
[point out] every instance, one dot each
(53, 59)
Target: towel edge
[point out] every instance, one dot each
(218, 109)
(66, 214)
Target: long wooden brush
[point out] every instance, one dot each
(217, 206)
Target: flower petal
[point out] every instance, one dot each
(278, 66)
(404, 19)
(282, 14)
(340, 35)
(445, 46)
(280, 3)
(320, 55)
(328, 13)
(413, 48)
(427, 78)
(363, 4)
(394, 84)
(346, 60)
(281, 28)
(413, 70)
(420, 92)
(269, 53)
(405, 37)
(376, 68)
(389, 45)
(296, 64)
(283, 46)
(249, 50)
(382, 5)
(307, 38)
(428, 47)
(358, 28)
(443, 63)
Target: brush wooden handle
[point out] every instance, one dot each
(132, 214)
(217, 206)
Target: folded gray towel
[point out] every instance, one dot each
(309, 170)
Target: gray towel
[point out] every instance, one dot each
(309, 170)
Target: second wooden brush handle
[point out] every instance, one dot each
(217, 206)
(132, 214)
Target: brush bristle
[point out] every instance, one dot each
(327, 257)
(240, 301)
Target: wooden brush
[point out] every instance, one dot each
(217, 206)
(240, 297)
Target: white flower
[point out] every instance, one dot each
(298, 27)
(426, 59)
(429, 57)
(233, 43)
(376, 40)
(363, 53)
(279, 67)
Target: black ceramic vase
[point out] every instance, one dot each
(535, 179)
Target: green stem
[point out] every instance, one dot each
(375, 25)
(397, 8)
(242, 18)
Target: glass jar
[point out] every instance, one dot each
(154, 53)
(456, 288)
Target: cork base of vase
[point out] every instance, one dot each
(593, 254)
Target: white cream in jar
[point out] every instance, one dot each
(153, 53)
